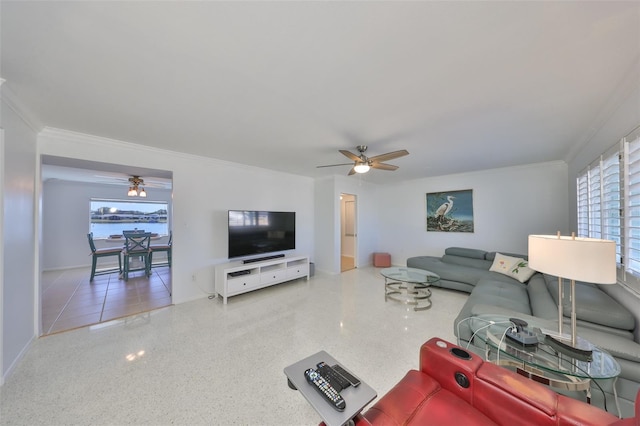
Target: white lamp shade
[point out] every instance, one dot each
(582, 259)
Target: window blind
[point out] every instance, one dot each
(583, 205)
(610, 201)
(594, 190)
(633, 206)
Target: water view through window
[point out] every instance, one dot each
(111, 217)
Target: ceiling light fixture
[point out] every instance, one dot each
(133, 189)
(361, 168)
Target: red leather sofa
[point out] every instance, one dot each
(455, 387)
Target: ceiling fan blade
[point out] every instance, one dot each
(352, 171)
(349, 155)
(389, 155)
(334, 165)
(383, 166)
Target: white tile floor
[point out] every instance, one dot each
(70, 300)
(203, 362)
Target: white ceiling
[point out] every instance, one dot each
(462, 86)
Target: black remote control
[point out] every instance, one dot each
(344, 373)
(325, 389)
(331, 376)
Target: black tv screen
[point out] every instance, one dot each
(256, 232)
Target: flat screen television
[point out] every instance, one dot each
(258, 232)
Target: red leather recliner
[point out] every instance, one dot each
(455, 387)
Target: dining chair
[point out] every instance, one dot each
(136, 246)
(159, 248)
(104, 252)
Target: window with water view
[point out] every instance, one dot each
(111, 217)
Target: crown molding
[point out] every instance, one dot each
(10, 99)
(53, 134)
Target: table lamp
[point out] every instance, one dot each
(574, 258)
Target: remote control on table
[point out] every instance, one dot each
(344, 373)
(325, 389)
(331, 376)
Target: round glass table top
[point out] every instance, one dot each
(410, 275)
(491, 330)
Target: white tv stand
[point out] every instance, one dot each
(235, 278)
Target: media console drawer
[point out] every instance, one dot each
(242, 283)
(234, 278)
(273, 276)
(298, 271)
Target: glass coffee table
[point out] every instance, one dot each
(540, 361)
(409, 286)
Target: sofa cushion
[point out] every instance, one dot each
(502, 294)
(592, 304)
(454, 272)
(466, 261)
(466, 252)
(514, 267)
(491, 255)
(542, 304)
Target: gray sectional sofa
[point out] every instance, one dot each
(600, 318)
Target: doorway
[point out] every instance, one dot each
(69, 188)
(348, 232)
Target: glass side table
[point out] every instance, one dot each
(409, 286)
(542, 362)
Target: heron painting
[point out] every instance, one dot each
(450, 211)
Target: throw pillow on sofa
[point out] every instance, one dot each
(514, 267)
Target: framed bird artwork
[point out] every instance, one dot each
(450, 211)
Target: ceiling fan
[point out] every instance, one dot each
(362, 163)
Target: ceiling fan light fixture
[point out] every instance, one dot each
(133, 189)
(361, 168)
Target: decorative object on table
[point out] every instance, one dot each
(574, 258)
(450, 211)
(362, 163)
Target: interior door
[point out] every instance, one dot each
(348, 232)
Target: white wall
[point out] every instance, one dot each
(508, 205)
(18, 230)
(65, 220)
(204, 189)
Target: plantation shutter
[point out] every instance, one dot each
(610, 200)
(583, 204)
(633, 205)
(594, 191)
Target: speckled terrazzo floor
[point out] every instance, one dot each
(203, 362)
